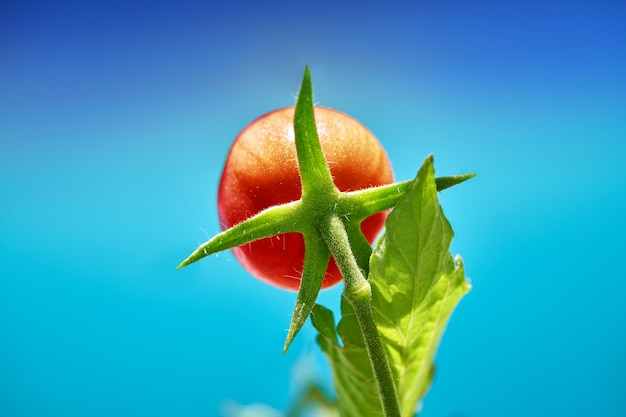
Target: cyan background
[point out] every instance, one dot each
(116, 116)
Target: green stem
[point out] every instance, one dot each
(358, 293)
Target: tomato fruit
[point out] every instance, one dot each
(261, 171)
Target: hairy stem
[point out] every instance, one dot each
(358, 293)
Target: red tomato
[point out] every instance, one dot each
(262, 171)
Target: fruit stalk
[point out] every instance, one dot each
(358, 293)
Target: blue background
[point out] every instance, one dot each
(115, 118)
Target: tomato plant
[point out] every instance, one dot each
(303, 194)
(261, 171)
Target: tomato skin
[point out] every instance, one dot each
(261, 171)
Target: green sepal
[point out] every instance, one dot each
(446, 182)
(354, 206)
(363, 203)
(273, 221)
(314, 171)
(316, 257)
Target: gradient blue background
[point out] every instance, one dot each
(115, 118)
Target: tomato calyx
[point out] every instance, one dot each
(320, 201)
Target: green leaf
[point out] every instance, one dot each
(357, 394)
(415, 286)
